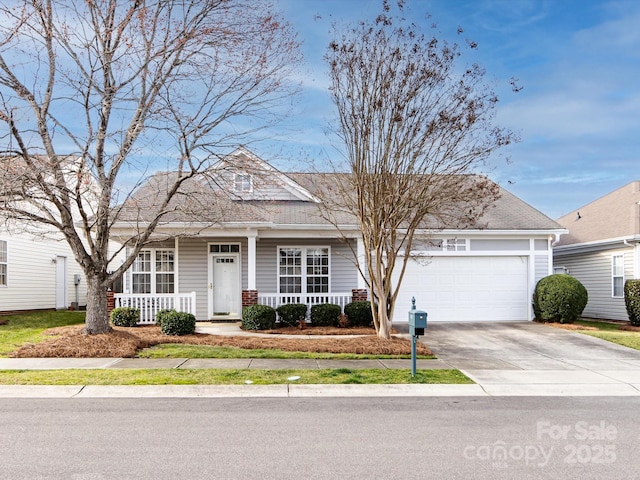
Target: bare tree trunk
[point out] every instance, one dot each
(381, 319)
(97, 320)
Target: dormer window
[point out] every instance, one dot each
(242, 183)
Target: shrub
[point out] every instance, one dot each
(325, 315)
(258, 317)
(292, 313)
(125, 316)
(632, 301)
(177, 323)
(359, 313)
(163, 315)
(559, 298)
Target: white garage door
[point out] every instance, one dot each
(466, 289)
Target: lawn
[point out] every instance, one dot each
(59, 334)
(615, 332)
(228, 377)
(29, 327)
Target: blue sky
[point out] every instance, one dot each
(578, 113)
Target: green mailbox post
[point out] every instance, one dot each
(417, 324)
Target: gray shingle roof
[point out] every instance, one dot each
(203, 202)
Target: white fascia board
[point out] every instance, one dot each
(596, 245)
(490, 233)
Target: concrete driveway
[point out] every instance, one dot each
(527, 357)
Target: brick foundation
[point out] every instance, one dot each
(249, 297)
(111, 302)
(359, 295)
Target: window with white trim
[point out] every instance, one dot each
(242, 182)
(454, 244)
(617, 276)
(303, 269)
(164, 271)
(153, 271)
(448, 245)
(4, 265)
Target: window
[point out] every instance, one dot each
(153, 272)
(617, 275)
(242, 183)
(225, 248)
(164, 271)
(141, 273)
(447, 245)
(3, 263)
(454, 245)
(303, 270)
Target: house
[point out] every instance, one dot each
(602, 249)
(38, 273)
(247, 233)
(37, 266)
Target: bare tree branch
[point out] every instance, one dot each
(415, 125)
(90, 91)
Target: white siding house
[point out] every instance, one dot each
(602, 250)
(38, 274)
(263, 240)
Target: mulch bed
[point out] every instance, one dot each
(125, 342)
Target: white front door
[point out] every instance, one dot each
(61, 282)
(224, 285)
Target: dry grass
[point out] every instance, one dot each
(125, 342)
(570, 326)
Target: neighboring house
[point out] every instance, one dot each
(261, 239)
(38, 273)
(602, 249)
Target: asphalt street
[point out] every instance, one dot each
(320, 438)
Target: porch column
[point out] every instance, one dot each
(176, 265)
(361, 261)
(251, 261)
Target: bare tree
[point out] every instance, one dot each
(416, 125)
(95, 92)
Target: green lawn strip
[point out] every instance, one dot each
(228, 377)
(28, 327)
(611, 332)
(626, 339)
(177, 350)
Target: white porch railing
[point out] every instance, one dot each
(276, 299)
(151, 304)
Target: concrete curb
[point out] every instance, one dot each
(236, 391)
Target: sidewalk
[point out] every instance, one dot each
(524, 364)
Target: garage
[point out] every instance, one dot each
(466, 288)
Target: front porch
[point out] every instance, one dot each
(150, 304)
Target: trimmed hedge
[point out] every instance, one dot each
(125, 316)
(291, 313)
(632, 301)
(258, 317)
(325, 315)
(559, 298)
(176, 323)
(359, 313)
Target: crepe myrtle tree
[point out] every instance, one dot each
(415, 125)
(91, 91)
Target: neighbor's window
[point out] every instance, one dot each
(3, 263)
(153, 271)
(617, 275)
(242, 183)
(303, 270)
